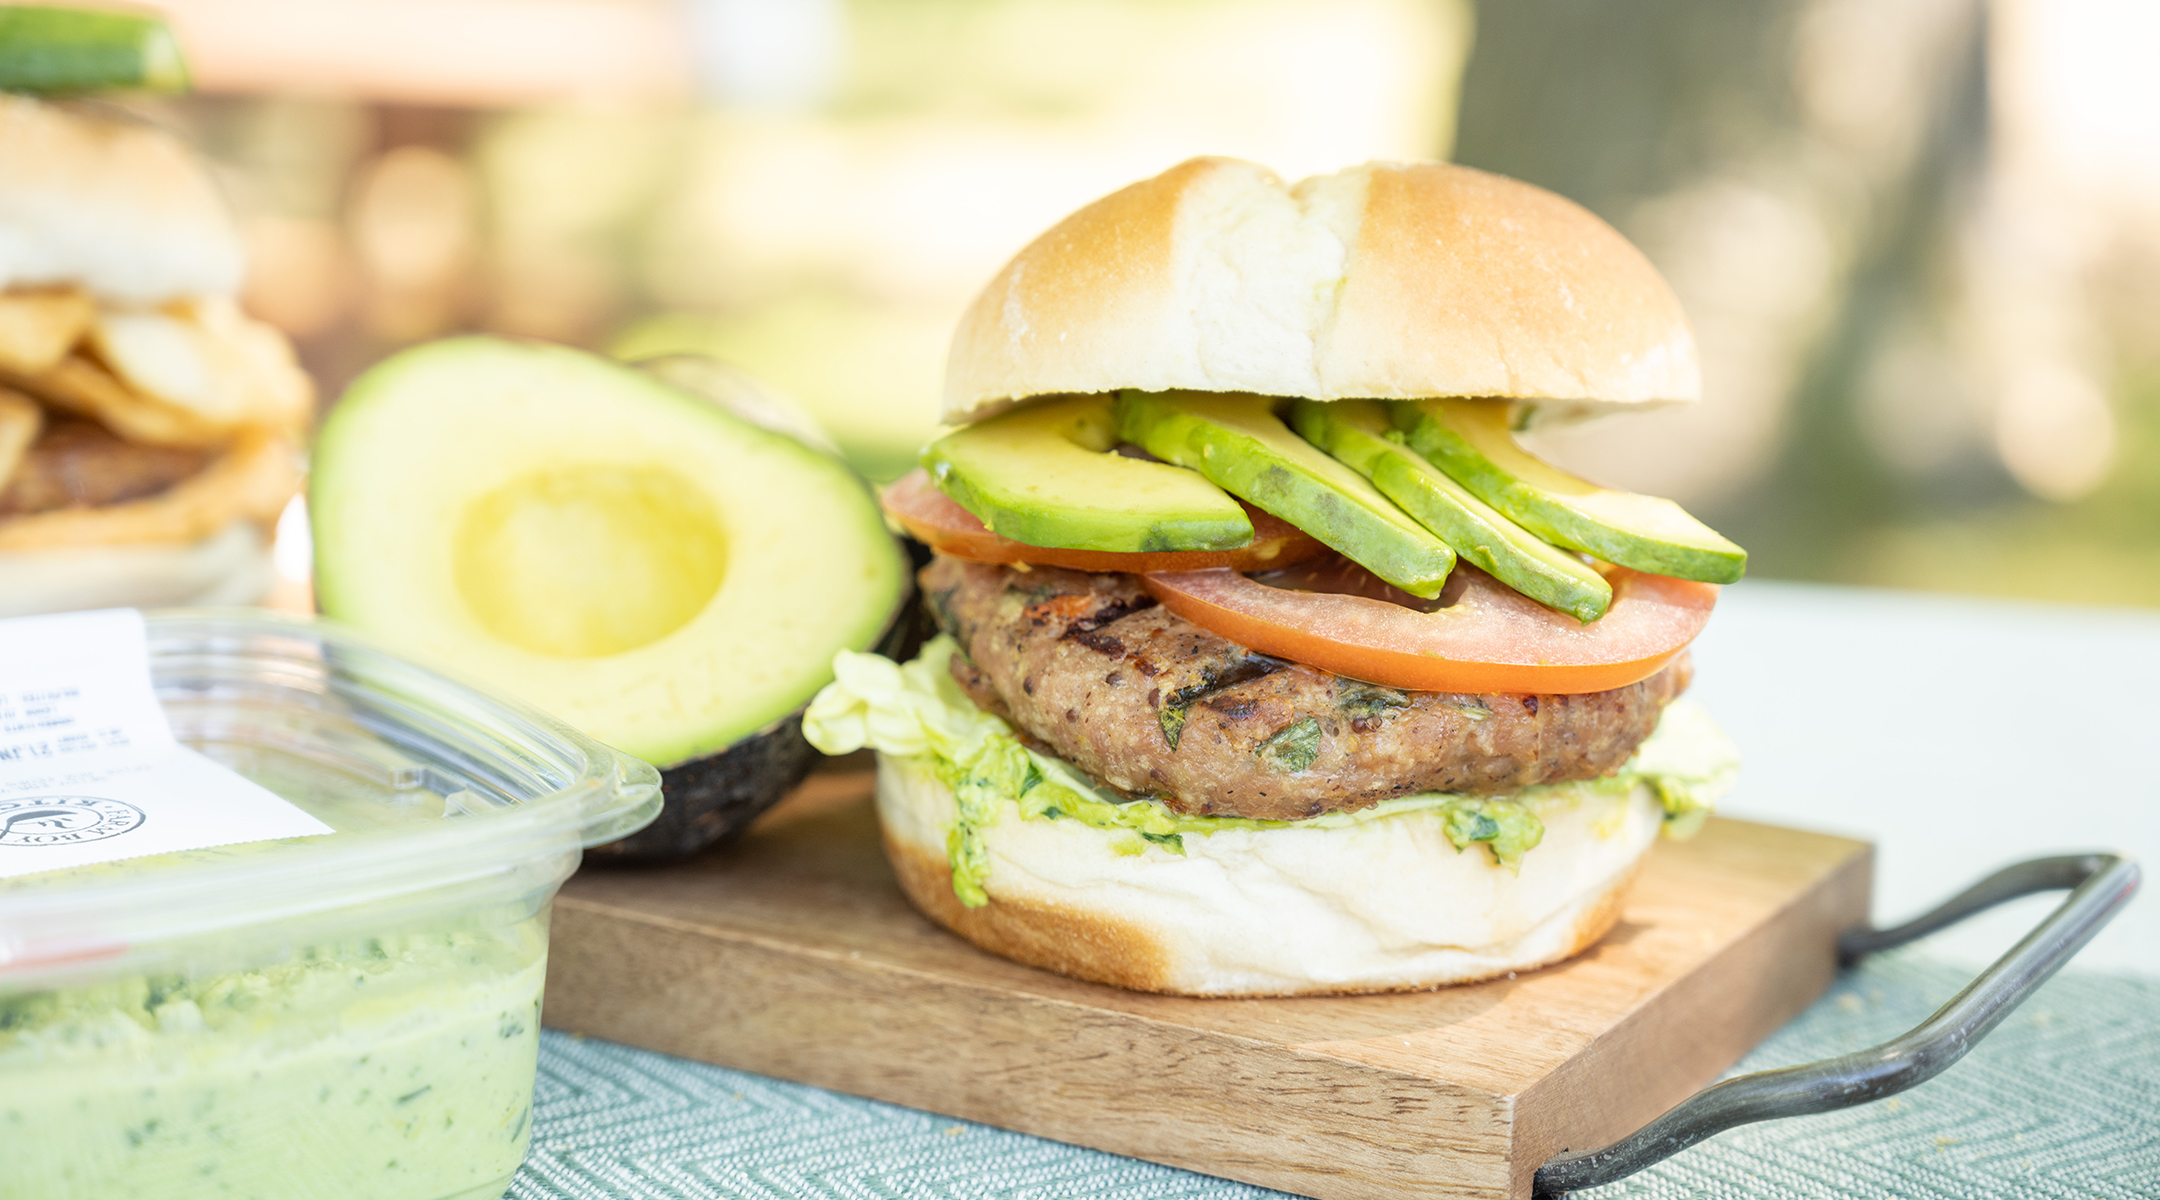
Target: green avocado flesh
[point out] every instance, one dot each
(1470, 440)
(1239, 443)
(60, 50)
(1045, 475)
(584, 537)
(1357, 433)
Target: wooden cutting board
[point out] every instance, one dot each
(791, 953)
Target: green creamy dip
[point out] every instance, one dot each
(917, 711)
(398, 1068)
(395, 1063)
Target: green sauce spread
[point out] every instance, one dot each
(916, 711)
(391, 1068)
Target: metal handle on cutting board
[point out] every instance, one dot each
(2100, 885)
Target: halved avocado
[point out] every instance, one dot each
(630, 556)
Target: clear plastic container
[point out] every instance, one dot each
(349, 1016)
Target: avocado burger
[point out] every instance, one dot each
(149, 431)
(1271, 663)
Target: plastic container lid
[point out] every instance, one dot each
(444, 799)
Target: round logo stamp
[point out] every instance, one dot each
(64, 820)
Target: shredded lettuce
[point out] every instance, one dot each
(916, 711)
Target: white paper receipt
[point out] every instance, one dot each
(89, 769)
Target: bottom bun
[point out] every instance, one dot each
(1384, 905)
(231, 566)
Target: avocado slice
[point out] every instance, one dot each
(1471, 441)
(1046, 475)
(1358, 434)
(68, 50)
(1237, 441)
(620, 552)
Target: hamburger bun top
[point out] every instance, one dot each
(1390, 281)
(115, 206)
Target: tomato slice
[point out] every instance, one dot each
(1491, 639)
(937, 520)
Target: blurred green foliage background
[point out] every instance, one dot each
(1919, 239)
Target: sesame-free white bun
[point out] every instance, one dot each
(1388, 281)
(1386, 905)
(231, 566)
(103, 204)
(115, 206)
(202, 541)
(249, 480)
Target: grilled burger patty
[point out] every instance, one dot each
(1153, 705)
(76, 464)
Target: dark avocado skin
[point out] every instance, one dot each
(708, 800)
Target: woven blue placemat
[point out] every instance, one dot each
(2063, 1100)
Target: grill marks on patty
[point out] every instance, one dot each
(1089, 667)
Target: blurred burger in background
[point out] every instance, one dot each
(150, 432)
